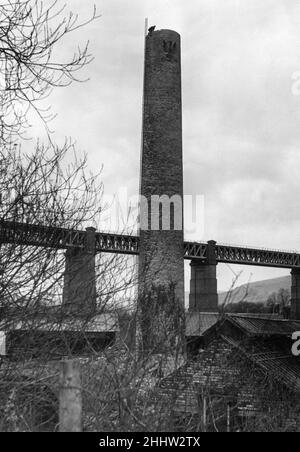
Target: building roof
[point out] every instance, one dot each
(105, 322)
(198, 323)
(266, 326)
(273, 358)
(217, 371)
(220, 369)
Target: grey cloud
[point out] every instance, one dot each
(241, 122)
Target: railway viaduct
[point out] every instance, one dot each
(203, 256)
(161, 251)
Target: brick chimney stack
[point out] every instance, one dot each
(161, 265)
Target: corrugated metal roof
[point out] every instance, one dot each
(264, 326)
(278, 363)
(197, 323)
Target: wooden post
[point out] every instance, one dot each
(70, 398)
(204, 414)
(228, 417)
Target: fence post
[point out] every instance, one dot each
(70, 397)
(204, 414)
(228, 417)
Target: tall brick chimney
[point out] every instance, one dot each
(161, 265)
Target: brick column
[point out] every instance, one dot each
(161, 264)
(295, 294)
(79, 293)
(203, 284)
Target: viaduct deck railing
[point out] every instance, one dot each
(63, 238)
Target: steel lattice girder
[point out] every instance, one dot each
(62, 238)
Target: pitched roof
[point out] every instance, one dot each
(216, 370)
(198, 323)
(275, 360)
(255, 326)
(105, 322)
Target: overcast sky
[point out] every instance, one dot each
(241, 120)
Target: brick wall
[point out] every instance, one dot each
(161, 266)
(224, 377)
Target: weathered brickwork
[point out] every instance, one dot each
(203, 295)
(161, 266)
(295, 294)
(79, 294)
(226, 378)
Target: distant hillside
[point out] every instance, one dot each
(257, 291)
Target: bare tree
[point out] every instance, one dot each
(30, 32)
(45, 189)
(50, 187)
